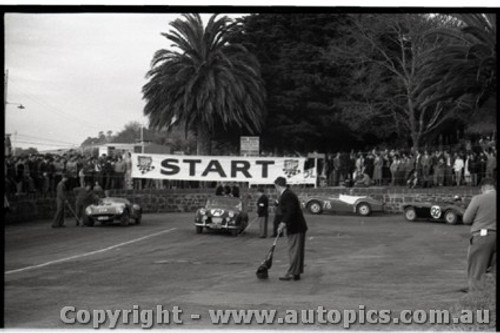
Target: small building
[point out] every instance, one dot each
(112, 149)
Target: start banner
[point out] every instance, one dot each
(254, 170)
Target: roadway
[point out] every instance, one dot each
(381, 262)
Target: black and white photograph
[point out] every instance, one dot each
(279, 168)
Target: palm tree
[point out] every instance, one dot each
(204, 82)
(463, 69)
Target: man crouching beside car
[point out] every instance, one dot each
(84, 197)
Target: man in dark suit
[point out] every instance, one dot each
(293, 221)
(61, 200)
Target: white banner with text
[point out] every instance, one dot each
(254, 170)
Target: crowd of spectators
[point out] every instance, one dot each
(463, 165)
(40, 173)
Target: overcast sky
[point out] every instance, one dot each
(77, 74)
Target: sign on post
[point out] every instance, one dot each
(249, 146)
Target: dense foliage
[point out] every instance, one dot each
(323, 81)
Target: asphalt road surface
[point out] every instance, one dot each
(378, 262)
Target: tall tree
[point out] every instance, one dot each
(301, 82)
(204, 81)
(465, 68)
(391, 49)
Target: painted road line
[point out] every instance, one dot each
(88, 253)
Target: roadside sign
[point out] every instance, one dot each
(249, 146)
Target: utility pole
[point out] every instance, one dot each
(142, 139)
(6, 102)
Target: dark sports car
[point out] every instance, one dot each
(111, 209)
(221, 213)
(449, 212)
(362, 205)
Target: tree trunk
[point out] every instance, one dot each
(203, 140)
(414, 131)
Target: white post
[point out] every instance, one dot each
(142, 138)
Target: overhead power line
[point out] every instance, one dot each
(51, 108)
(44, 139)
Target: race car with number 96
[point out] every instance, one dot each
(449, 212)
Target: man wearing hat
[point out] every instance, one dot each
(293, 221)
(61, 200)
(482, 214)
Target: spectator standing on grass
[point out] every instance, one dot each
(262, 212)
(378, 164)
(227, 190)
(83, 199)
(491, 162)
(448, 179)
(458, 167)
(72, 172)
(360, 164)
(219, 190)
(235, 190)
(386, 168)
(473, 168)
(369, 166)
(408, 167)
(59, 165)
(119, 176)
(467, 177)
(128, 171)
(19, 176)
(436, 168)
(401, 170)
(481, 167)
(482, 214)
(337, 169)
(293, 221)
(394, 169)
(61, 201)
(426, 169)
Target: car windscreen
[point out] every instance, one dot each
(223, 202)
(114, 200)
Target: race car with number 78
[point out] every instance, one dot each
(361, 205)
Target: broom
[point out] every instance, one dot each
(248, 226)
(262, 271)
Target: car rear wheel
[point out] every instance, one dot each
(125, 219)
(314, 207)
(410, 214)
(199, 230)
(450, 217)
(364, 209)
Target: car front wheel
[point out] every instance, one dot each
(88, 221)
(364, 209)
(125, 219)
(199, 230)
(410, 214)
(314, 207)
(450, 217)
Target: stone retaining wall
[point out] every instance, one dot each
(28, 208)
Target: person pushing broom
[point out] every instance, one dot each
(294, 222)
